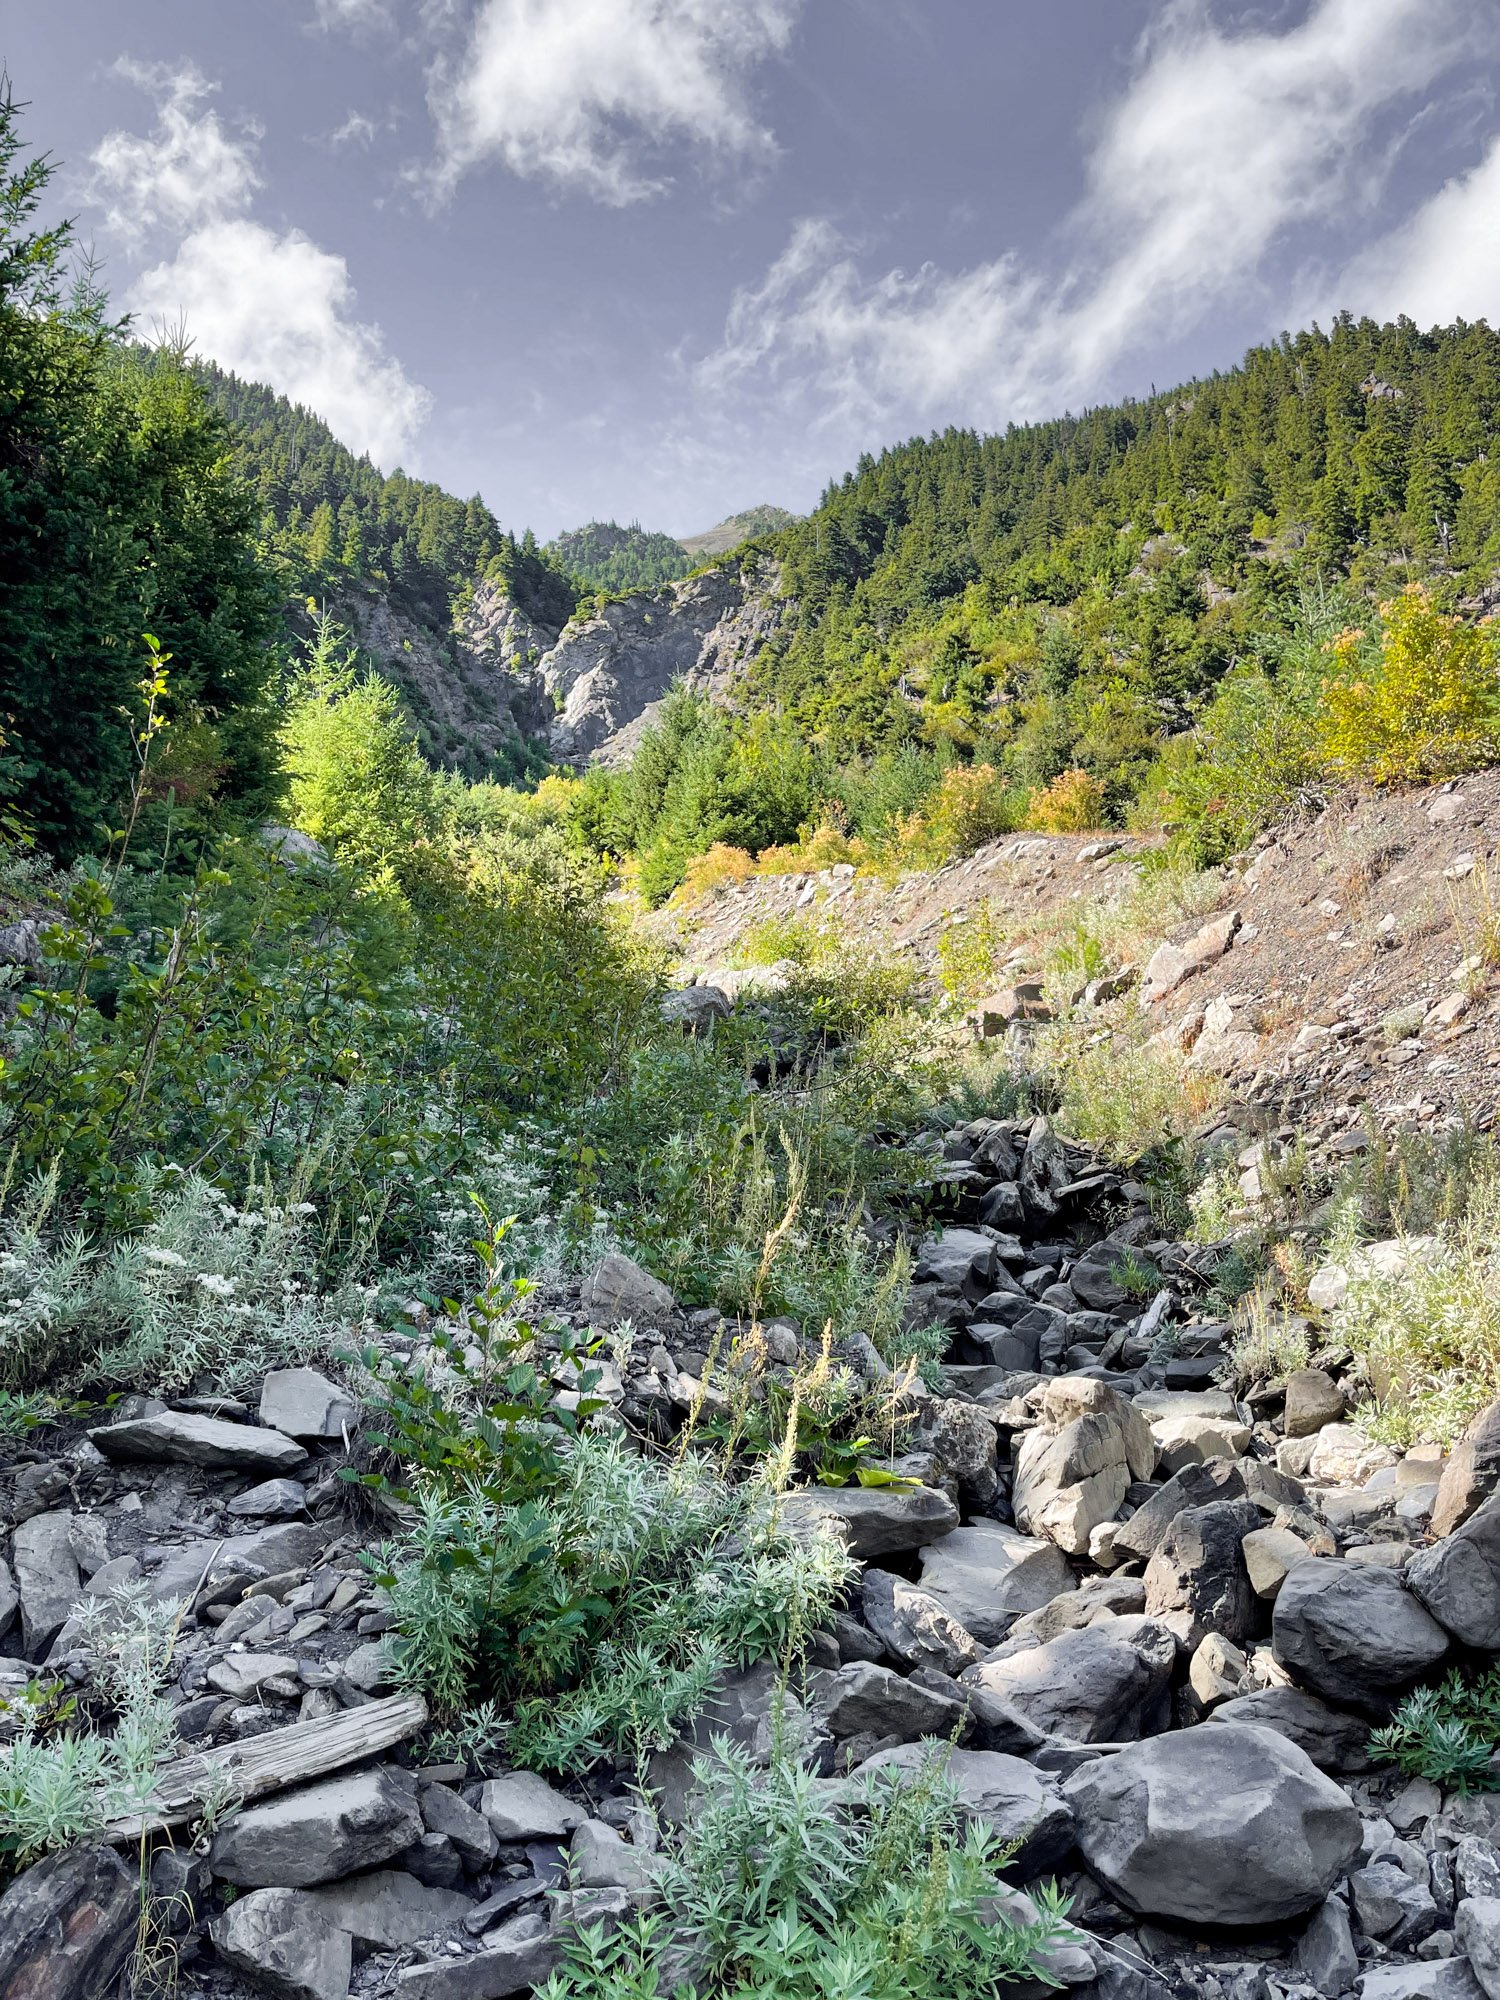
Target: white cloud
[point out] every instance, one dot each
(189, 167)
(270, 305)
(356, 130)
(1443, 264)
(586, 93)
(1223, 144)
(277, 309)
(352, 14)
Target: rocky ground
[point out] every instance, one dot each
(1150, 1626)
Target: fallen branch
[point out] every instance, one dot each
(269, 1763)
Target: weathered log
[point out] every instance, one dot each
(270, 1763)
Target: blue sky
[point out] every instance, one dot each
(661, 259)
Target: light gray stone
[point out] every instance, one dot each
(1325, 1953)
(987, 1575)
(388, 1908)
(522, 1806)
(1073, 1471)
(516, 1958)
(1476, 1927)
(1215, 1826)
(1388, 1904)
(913, 1626)
(874, 1521)
(619, 1289)
(306, 1405)
(1313, 1399)
(1006, 1794)
(240, 1674)
(1458, 1579)
(318, 1834)
(600, 1858)
(47, 1578)
(172, 1437)
(271, 1500)
(471, 1834)
(1437, 1979)
(278, 1939)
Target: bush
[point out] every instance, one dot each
(1072, 803)
(1420, 701)
(1446, 1733)
(1121, 1094)
(971, 804)
(782, 1888)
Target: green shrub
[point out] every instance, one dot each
(1447, 1733)
(781, 1888)
(1418, 701)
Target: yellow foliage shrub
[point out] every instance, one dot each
(823, 846)
(1072, 803)
(972, 804)
(719, 868)
(1427, 706)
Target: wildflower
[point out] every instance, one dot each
(212, 1281)
(155, 1253)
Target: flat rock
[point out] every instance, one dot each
(172, 1437)
(280, 1941)
(522, 1806)
(865, 1699)
(325, 1831)
(1221, 1825)
(240, 1674)
(306, 1405)
(1335, 1741)
(517, 1958)
(271, 1500)
(1434, 1979)
(1353, 1633)
(987, 1575)
(619, 1289)
(388, 1908)
(873, 1520)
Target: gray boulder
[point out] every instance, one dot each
(1353, 1633)
(695, 1009)
(522, 1806)
(67, 1925)
(987, 1575)
(1333, 1740)
(1074, 1469)
(1438, 1979)
(1214, 1826)
(303, 1404)
(173, 1437)
(1390, 1905)
(318, 1834)
(1325, 1954)
(960, 1260)
(47, 1579)
(865, 1700)
(278, 1939)
(619, 1289)
(873, 1520)
(913, 1626)
(1458, 1579)
(1313, 1399)
(1016, 1802)
(1197, 1580)
(1476, 1926)
(1201, 1485)
(387, 1909)
(1471, 1474)
(1105, 1683)
(271, 1500)
(471, 1834)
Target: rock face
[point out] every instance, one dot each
(318, 1834)
(608, 672)
(1458, 1579)
(1216, 1826)
(1106, 1683)
(66, 1926)
(1354, 1634)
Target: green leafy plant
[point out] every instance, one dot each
(1448, 1733)
(778, 1889)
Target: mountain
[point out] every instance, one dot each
(743, 527)
(610, 558)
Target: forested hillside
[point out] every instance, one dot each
(611, 558)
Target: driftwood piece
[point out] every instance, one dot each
(270, 1763)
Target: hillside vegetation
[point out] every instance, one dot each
(610, 558)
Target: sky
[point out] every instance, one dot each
(659, 260)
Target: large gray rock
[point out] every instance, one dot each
(387, 1908)
(1325, 1954)
(522, 1806)
(619, 1289)
(1105, 1683)
(1437, 1979)
(279, 1940)
(318, 1834)
(1353, 1633)
(1074, 1469)
(913, 1626)
(173, 1437)
(987, 1575)
(865, 1700)
(303, 1404)
(1214, 1826)
(1201, 1485)
(695, 1009)
(67, 1925)
(1389, 1904)
(1458, 1579)
(1471, 1474)
(516, 1958)
(1197, 1580)
(960, 1260)
(873, 1520)
(47, 1578)
(444, 1812)
(1476, 1926)
(1015, 1801)
(965, 1452)
(1333, 1740)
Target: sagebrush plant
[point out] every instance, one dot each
(1448, 1733)
(1430, 1332)
(1120, 1092)
(75, 1763)
(783, 1887)
(1267, 1343)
